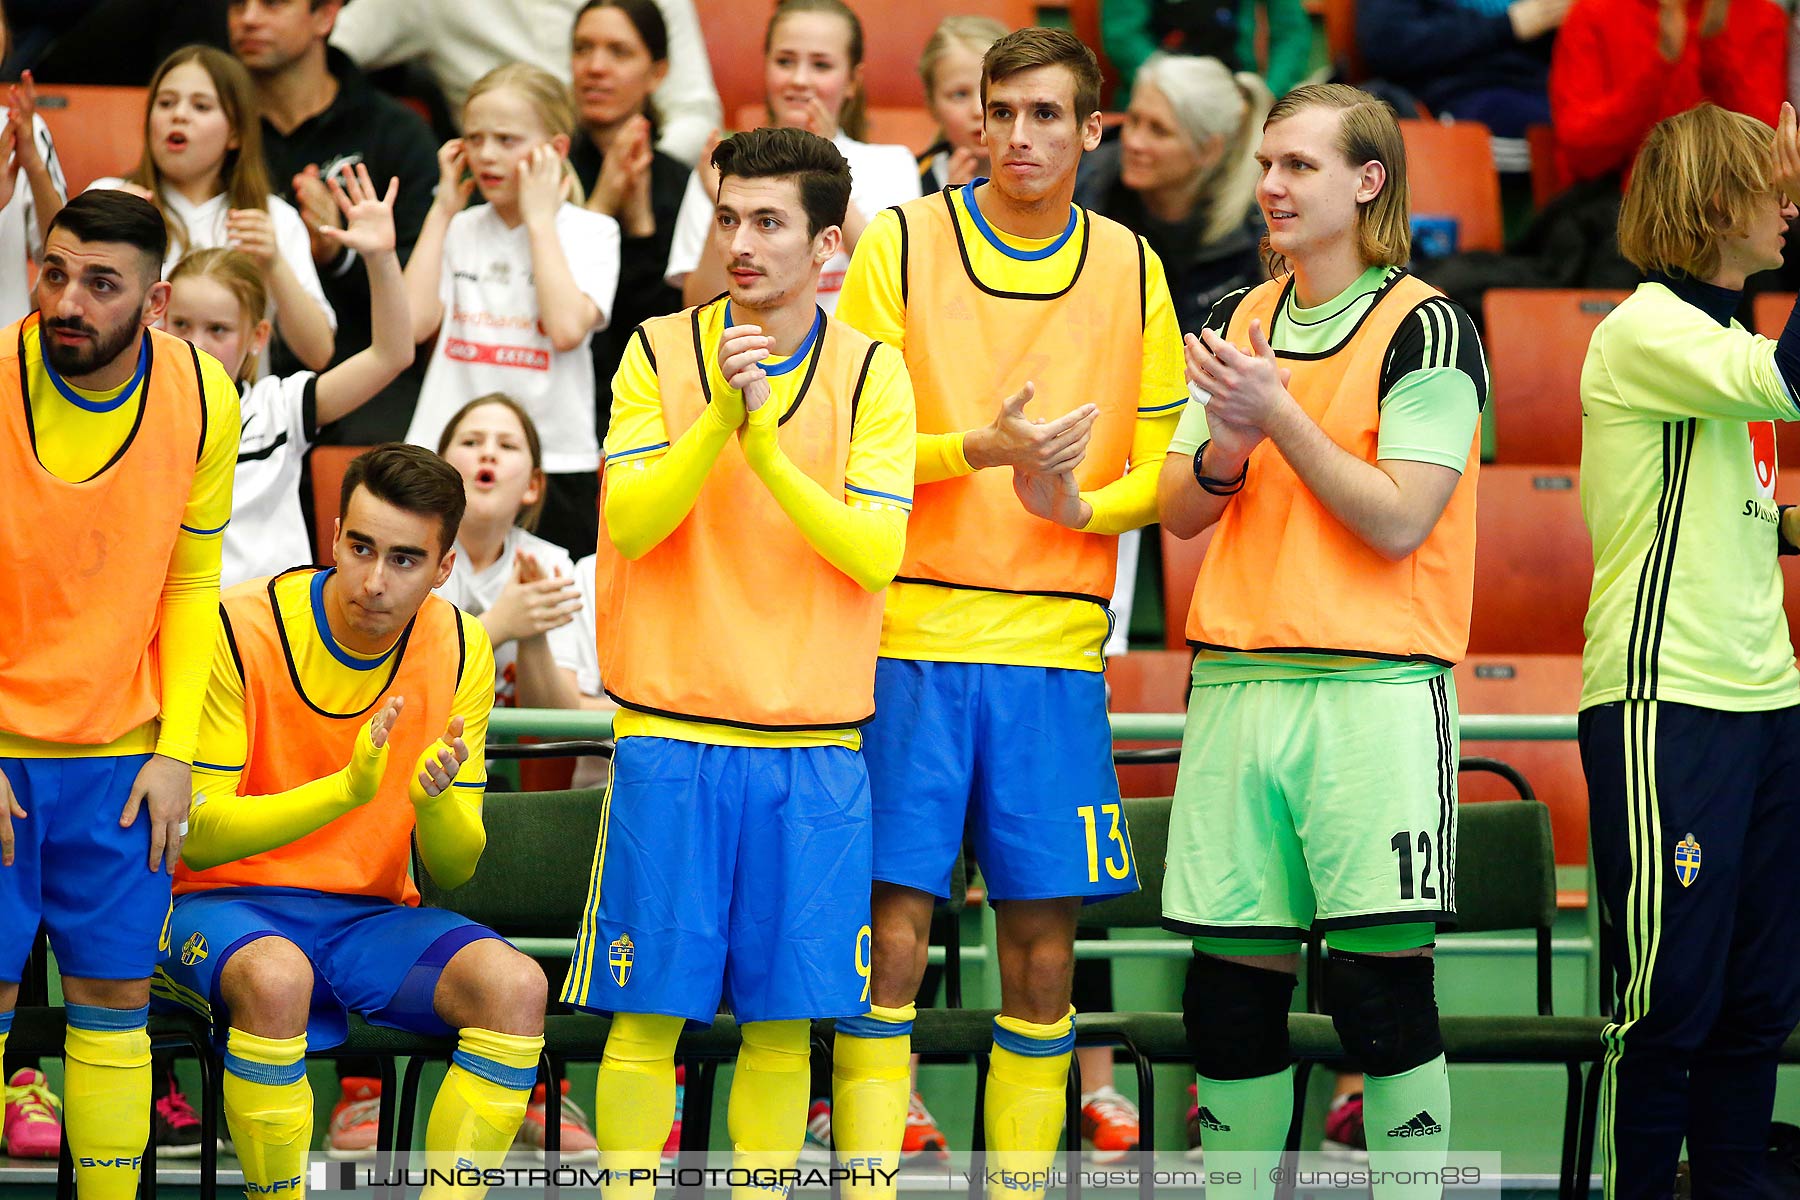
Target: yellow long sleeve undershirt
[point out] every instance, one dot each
(647, 498)
(940, 457)
(1129, 502)
(864, 542)
(189, 624)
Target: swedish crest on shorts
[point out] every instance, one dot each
(1687, 860)
(194, 949)
(619, 957)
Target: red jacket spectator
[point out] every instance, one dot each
(1610, 79)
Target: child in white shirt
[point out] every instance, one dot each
(513, 289)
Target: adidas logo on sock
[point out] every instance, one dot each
(1420, 1126)
(1208, 1121)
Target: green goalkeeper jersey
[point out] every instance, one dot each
(1678, 488)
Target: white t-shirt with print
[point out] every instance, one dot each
(267, 533)
(881, 176)
(477, 591)
(491, 339)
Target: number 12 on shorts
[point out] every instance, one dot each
(1115, 836)
(1402, 844)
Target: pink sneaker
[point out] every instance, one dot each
(32, 1128)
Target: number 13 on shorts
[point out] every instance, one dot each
(1118, 861)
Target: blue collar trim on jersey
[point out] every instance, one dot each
(98, 406)
(993, 239)
(324, 628)
(1721, 304)
(797, 357)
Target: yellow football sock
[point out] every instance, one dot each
(269, 1109)
(6, 1020)
(1028, 1076)
(634, 1100)
(769, 1093)
(480, 1106)
(106, 1098)
(871, 1088)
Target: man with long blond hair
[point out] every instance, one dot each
(1332, 437)
(1690, 703)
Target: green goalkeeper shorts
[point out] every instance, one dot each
(1314, 804)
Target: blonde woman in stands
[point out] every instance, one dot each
(514, 288)
(31, 187)
(812, 79)
(217, 300)
(203, 169)
(950, 68)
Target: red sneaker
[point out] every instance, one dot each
(1344, 1128)
(31, 1126)
(577, 1135)
(922, 1139)
(355, 1120)
(1110, 1123)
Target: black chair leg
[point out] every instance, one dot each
(211, 1116)
(1146, 1081)
(1072, 1129)
(147, 1169)
(1565, 1183)
(405, 1115)
(978, 1132)
(388, 1152)
(65, 1167)
(1590, 1121)
(550, 1075)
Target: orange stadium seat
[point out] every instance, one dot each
(1529, 684)
(914, 127)
(893, 36)
(1534, 562)
(1340, 40)
(1148, 681)
(1769, 314)
(99, 131)
(1451, 169)
(1180, 568)
(328, 463)
(1537, 340)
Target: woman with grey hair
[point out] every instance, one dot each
(1182, 175)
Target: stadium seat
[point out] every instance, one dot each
(99, 131)
(912, 127)
(1340, 40)
(1769, 312)
(1451, 170)
(1537, 340)
(1533, 564)
(734, 38)
(1148, 681)
(328, 464)
(1180, 569)
(1524, 684)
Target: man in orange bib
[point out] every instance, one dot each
(991, 705)
(118, 444)
(1333, 439)
(294, 903)
(759, 473)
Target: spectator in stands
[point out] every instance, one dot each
(583, 681)
(812, 79)
(1182, 175)
(27, 203)
(1620, 66)
(461, 41)
(1475, 60)
(320, 118)
(950, 68)
(518, 285)
(521, 586)
(217, 301)
(203, 169)
(1132, 30)
(619, 54)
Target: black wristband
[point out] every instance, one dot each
(1218, 487)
